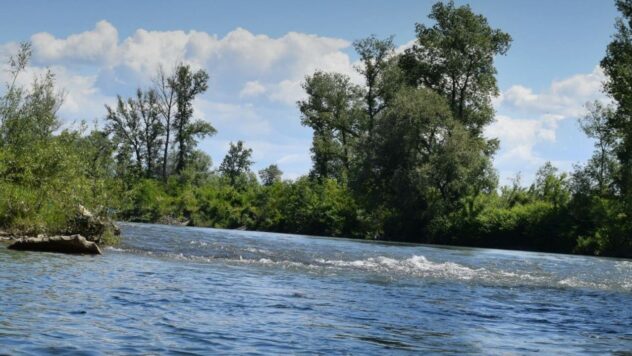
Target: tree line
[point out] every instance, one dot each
(401, 156)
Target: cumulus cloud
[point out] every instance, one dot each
(95, 65)
(228, 117)
(259, 61)
(528, 119)
(564, 97)
(95, 46)
(519, 136)
(252, 88)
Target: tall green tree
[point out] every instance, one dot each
(333, 110)
(137, 129)
(374, 57)
(167, 108)
(602, 168)
(617, 65)
(44, 173)
(153, 129)
(188, 84)
(426, 164)
(455, 57)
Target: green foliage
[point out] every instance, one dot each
(333, 110)
(313, 208)
(137, 129)
(270, 175)
(616, 65)
(44, 176)
(146, 201)
(236, 165)
(455, 57)
(186, 85)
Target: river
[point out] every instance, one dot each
(175, 290)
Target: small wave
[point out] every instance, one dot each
(574, 283)
(415, 265)
(624, 265)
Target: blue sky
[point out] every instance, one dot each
(257, 53)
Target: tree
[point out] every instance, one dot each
(270, 175)
(28, 116)
(551, 186)
(602, 168)
(187, 85)
(425, 164)
(616, 65)
(44, 172)
(237, 162)
(198, 170)
(153, 129)
(136, 128)
(166, 107)
(333, 110)
(374, 54)
(123, 122)
(455, 57)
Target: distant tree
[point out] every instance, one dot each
(551, 186)
(153, 129)
(237, 162)
(187, 85)
(137, 128)
(124, 123)
(602, 168)
(198, 170)
(270, 175)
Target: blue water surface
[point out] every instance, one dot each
(174, 290)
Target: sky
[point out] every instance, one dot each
(258, 52)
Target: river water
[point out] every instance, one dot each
(175, 290)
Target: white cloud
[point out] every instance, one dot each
(287, 92)
(98, 45)
(564, 97)
(279, 63)
(528, 119)
(93, 66)
(82, 100)
(252, 88)
(402, 48)
(227, 117)
(519, 136)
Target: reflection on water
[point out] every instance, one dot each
(191, 290)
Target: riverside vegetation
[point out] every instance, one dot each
(401, 157)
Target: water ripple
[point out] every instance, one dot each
(199, 291)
